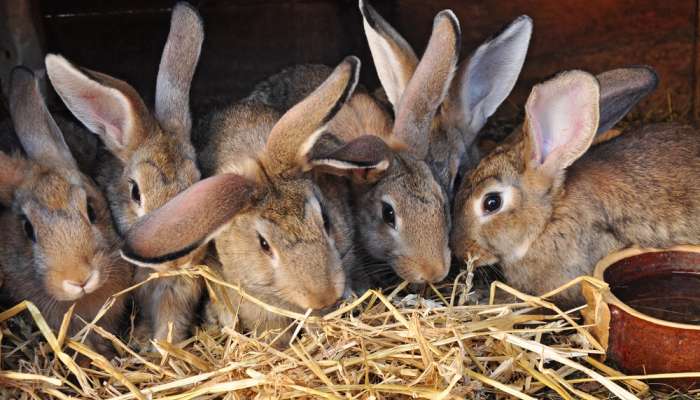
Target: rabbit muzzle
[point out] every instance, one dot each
(421, 270)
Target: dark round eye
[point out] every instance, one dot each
(388, 214)
(91, 213)
(135, 192)
(492, 202)
(263, 244)
(28, 229)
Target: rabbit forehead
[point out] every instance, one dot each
(53, 189)
(163, 169)
(289, 208)
(410, 181)
(503, 163)
(172, 158)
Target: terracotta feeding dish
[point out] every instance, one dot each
(647, 314)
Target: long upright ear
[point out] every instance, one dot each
(561, 121)
(363, 159)
(188, 220)
(296, 132)
(36, 129)
(177, 66)
(429, 84)
(106, 106)
(393, 57)
(484, 82)
(11, 174)
(620, 90)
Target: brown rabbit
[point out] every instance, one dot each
(547, 210)
(57, 245)
(151, 157)
(268, 219)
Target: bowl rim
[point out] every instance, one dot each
(611, 299)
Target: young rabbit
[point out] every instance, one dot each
(269, 221)
(151, 159)
(402, 207)
(57, 243)
(547, 209)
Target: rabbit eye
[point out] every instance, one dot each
(91, 213)
(492, 202)
(135, 192)
(263, 244)
(388, 214)
(28, 229)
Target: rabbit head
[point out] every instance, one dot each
(506, 202)
(58, 243)
(619, 90)
(266, 215)
(153, 158)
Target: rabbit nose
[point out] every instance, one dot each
(88, 285)
(92, 282)
(322, 300)
(433, 272)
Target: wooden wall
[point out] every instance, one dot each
(247, 40)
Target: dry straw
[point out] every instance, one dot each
(380, 346)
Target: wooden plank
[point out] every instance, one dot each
(696, 66)
(248, 40)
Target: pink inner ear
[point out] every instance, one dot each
(563, 116)
(105, 111)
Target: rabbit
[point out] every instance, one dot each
(439, 108)
(269, 222)
(57, 246)
(150, 160)
(547, 208)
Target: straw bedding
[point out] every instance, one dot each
(446, 344)
(452, 341)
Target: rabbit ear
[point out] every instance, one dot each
(428, 86)
(188, 220)
(11, 175)
(107, 106)
(36, 129)
(392, 55)
(620, 90)
(177, 66)
(364, 159)
(561, 120)
(483, 83)
(300, 127)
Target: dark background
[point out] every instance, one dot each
(247, 40)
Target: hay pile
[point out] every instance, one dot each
(393, 345)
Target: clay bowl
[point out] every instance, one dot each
(656, 329)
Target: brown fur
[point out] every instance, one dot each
(635, 189)
(48, 196)
(151, 151)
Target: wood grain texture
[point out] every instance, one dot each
(248, 40)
